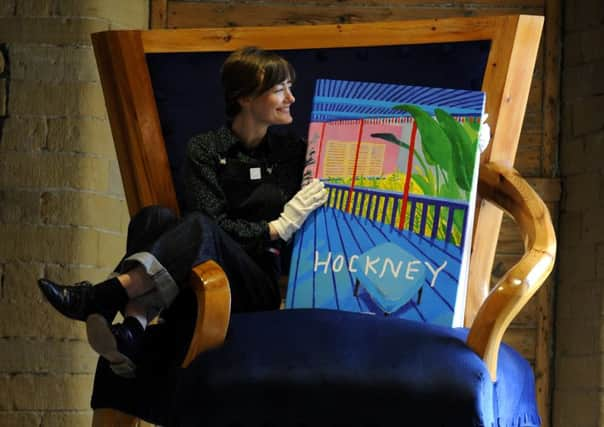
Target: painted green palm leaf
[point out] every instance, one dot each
(435, 143)
(450, 190)
(472, 129)
(464, 148)
(427, 185)
(393, 139)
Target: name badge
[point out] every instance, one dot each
(255, 174)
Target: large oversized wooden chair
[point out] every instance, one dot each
(318, 367)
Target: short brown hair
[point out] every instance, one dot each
(251, 71)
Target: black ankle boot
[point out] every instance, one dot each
(82, 299)
(119, 344)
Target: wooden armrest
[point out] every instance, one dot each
(211, 288)
(504, 187)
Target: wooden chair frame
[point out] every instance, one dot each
(145, 170)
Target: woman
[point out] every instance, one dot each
(243, 200)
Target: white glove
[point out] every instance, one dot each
(484, 133)
(295, 212)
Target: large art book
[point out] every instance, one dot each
(401, 165)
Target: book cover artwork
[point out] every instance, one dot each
(401, 165)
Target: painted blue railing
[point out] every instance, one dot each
(365, 203)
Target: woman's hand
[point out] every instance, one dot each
(297, 210)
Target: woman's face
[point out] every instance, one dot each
(272, 106)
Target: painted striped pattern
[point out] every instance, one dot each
(348, 100)
(368, 250)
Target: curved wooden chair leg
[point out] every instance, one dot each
(107, 417)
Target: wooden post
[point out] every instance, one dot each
(158, 16)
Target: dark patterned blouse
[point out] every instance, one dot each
(242, 189)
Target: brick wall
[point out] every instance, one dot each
(578, 395)
(62, 209)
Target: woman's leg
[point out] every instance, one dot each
(82, 299)
(194, 239)
(137, 282)
(253, 288)
(120, 343)
(151, 273)
(144, 228)
(147, 226)
(161, 252)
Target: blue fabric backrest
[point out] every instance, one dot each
(189, 97)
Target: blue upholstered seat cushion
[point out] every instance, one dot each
(328, 368)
